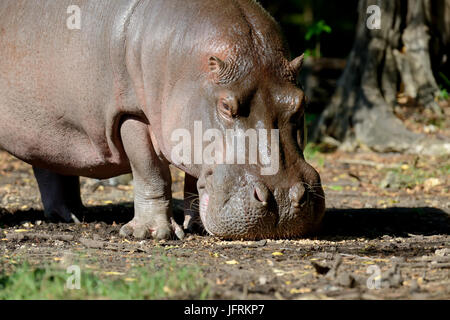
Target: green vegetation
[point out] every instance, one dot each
(168, 280)
(413, 176)
(314, 32)
(336, 188)
(444, 94)
(301, 17)
(312, 154)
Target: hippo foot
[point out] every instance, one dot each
(143, 230)
(63, 214)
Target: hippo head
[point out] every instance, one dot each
(242, 89)
(271, 192)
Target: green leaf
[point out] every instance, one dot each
(336, 188)
(446, 80)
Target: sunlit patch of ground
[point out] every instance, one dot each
(385, 235)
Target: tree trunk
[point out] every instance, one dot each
(400, 56)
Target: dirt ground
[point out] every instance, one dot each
(385, 234)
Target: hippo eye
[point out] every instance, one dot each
(225, 110)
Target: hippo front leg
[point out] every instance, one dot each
(152, 186)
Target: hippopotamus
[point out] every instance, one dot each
(104, 98)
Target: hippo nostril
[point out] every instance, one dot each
(297, 195)
(261, 194)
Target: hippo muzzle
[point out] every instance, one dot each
(238, 205)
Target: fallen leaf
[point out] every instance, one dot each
(113, 273)
(301, 290)
(277, 253)
(232, 262)
(336, 188)
(167, 290)
(278, 272)
(130, 279)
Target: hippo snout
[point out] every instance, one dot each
(253, 210)
(298, 195)
(261, 194)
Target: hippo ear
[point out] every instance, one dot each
(216, 65)
(297, 64)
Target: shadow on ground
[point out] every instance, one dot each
(395, 221)
(348, 223)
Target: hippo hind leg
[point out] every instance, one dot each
(60, 195)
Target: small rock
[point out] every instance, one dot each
(397, 260)
(320, 269)
(431, 183)
(440, 265)
(345, 279)
(414, 286)
(27, 225)
(261, 243)
(58, 243)
(392, 278)
(91, 243)
(426, 258)
(390, 181)
(430, 129)
(328, 288)
(416, 236)
(389, 246)
(396, 281)
(442, 252)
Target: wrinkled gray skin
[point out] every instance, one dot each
(104, 100)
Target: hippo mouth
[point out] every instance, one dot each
(226, 213)
(203, 207)
(251, 211)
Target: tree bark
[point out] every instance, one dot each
(401, 56)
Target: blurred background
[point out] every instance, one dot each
(321, 28)
(385, 77)
(325, 32)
